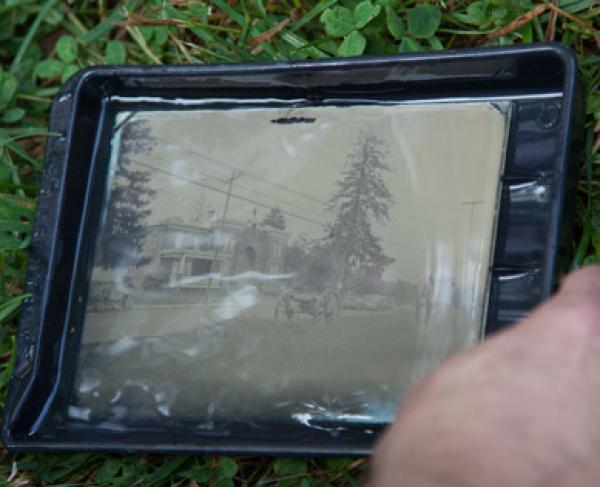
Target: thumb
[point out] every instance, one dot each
(575, 310)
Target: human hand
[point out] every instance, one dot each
(520, 409)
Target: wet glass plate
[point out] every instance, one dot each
(263, 258)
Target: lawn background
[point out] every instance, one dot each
(42, 43)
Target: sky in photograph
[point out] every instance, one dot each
(445, 160)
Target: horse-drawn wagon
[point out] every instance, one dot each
(325, 305)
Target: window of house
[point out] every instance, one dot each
(170, 240)
(188, 241)
(201, 267)
(205, 242)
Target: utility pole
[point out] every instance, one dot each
(234, 175)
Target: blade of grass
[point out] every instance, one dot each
(590, 60)
(109, 23)
(296, 41)
(8, 160)
(9, 366)
(9, 142)
(210, 53)
(239, 19)
(8, 308)
(14, 226)
(312, 13)
(137, 36)
(219, 45)
(47, 5)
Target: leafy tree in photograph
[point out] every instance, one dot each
(313, 265)
(361, 198)
(274, 219)
(123, 235)
(295, 258)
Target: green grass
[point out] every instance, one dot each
(43, 42)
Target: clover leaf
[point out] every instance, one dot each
(364, 12)
(353, 44)
(423, 21)
(338, 21)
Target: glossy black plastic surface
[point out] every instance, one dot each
(533, 214)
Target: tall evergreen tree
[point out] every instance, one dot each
(360, 199)
(123, 234)
(274, 218)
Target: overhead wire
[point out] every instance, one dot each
(246, 199)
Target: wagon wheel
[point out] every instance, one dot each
(316, 308)
(284, 306)
(330, 305)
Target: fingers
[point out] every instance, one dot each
(574, 309)
(583, 282)
(526, 397)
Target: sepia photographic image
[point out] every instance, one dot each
(296, 264)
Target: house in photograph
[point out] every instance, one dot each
(183, 255)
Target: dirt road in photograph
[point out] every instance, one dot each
(252, 363)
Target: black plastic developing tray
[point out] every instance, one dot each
(531, 242)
